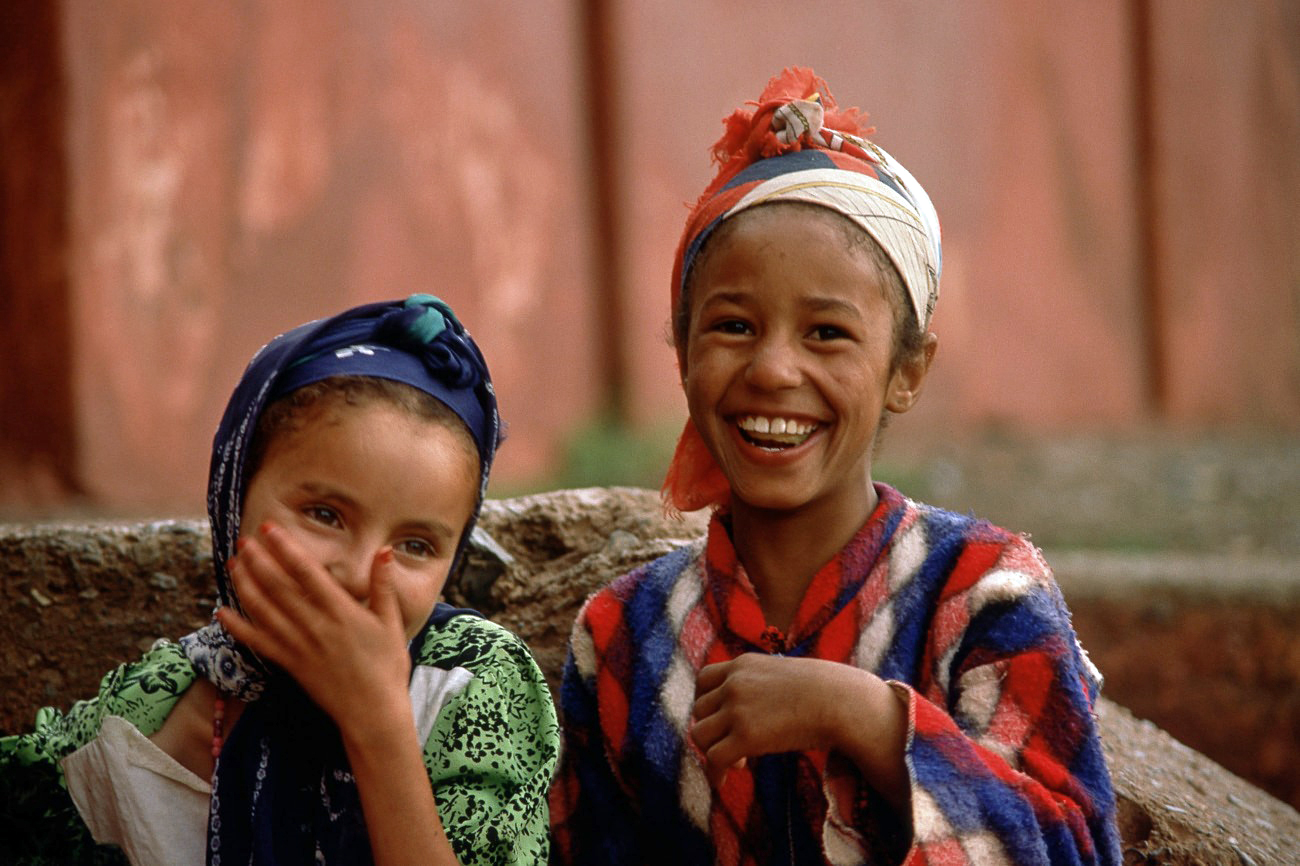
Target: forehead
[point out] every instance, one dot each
(328, 400)
(841, 236)
(338, 437)
(355, 447)
(368, 416)
(808, 244)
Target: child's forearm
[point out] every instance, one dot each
(401, 814)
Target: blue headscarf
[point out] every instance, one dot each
(283, 790)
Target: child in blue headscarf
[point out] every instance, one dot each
(334, 711)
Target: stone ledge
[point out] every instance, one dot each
(1092, 573)
(78, 598)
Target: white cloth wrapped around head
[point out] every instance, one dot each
(795, 145)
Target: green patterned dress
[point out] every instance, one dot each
(490, 753)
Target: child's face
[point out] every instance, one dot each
(787, 363)
(354, 480)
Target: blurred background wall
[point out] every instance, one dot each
(1118, 180)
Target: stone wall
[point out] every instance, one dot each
(76, 599)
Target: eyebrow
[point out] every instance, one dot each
(737, 298)
(437, 527)
(832, 305)
(812, 305)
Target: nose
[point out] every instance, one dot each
(774, 364)
(351, 568)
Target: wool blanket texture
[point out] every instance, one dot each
(1003, 752)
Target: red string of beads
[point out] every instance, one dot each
(218, 724)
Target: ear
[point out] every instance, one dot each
(905, 383)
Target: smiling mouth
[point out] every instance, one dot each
(774, 434)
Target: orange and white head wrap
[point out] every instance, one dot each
(795, 145)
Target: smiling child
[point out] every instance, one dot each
(836, 673)
(334, 711)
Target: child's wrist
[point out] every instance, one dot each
(377, 724)
(875, 703)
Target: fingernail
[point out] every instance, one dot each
(266, 528)
(240, 544)
(385, 556)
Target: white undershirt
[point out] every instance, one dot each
(134, 795)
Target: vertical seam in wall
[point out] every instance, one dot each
(1151, 271)
(602, 90)
(38, 427)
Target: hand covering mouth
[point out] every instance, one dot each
(774, 433)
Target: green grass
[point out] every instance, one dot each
(607, 454)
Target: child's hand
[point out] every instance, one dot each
(350, 657)
(758, 704)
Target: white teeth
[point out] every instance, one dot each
(784, 427)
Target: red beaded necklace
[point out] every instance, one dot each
(218, 724)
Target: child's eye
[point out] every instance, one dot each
(417, 548)
(732, 326)
(323, 514)
(828, 332)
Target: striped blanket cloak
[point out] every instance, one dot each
(1003, 752)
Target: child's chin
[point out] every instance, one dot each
(769, 498)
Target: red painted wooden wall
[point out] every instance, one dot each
(1117, 181)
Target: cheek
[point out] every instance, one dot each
(416, 596)
(860, 379)
(700, 398)
(707, 371)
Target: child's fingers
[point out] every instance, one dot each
(710, 693)
(267, 592)
(711, 676)
(257, 590)
(707, 703)
(719, 776)
(298, 584)
(244, 632)
(708, 729)
(238, 627)
(722, 759)
(723, 750)
(383, 595)
(264, 617)
(311, 578)
(719, 736)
